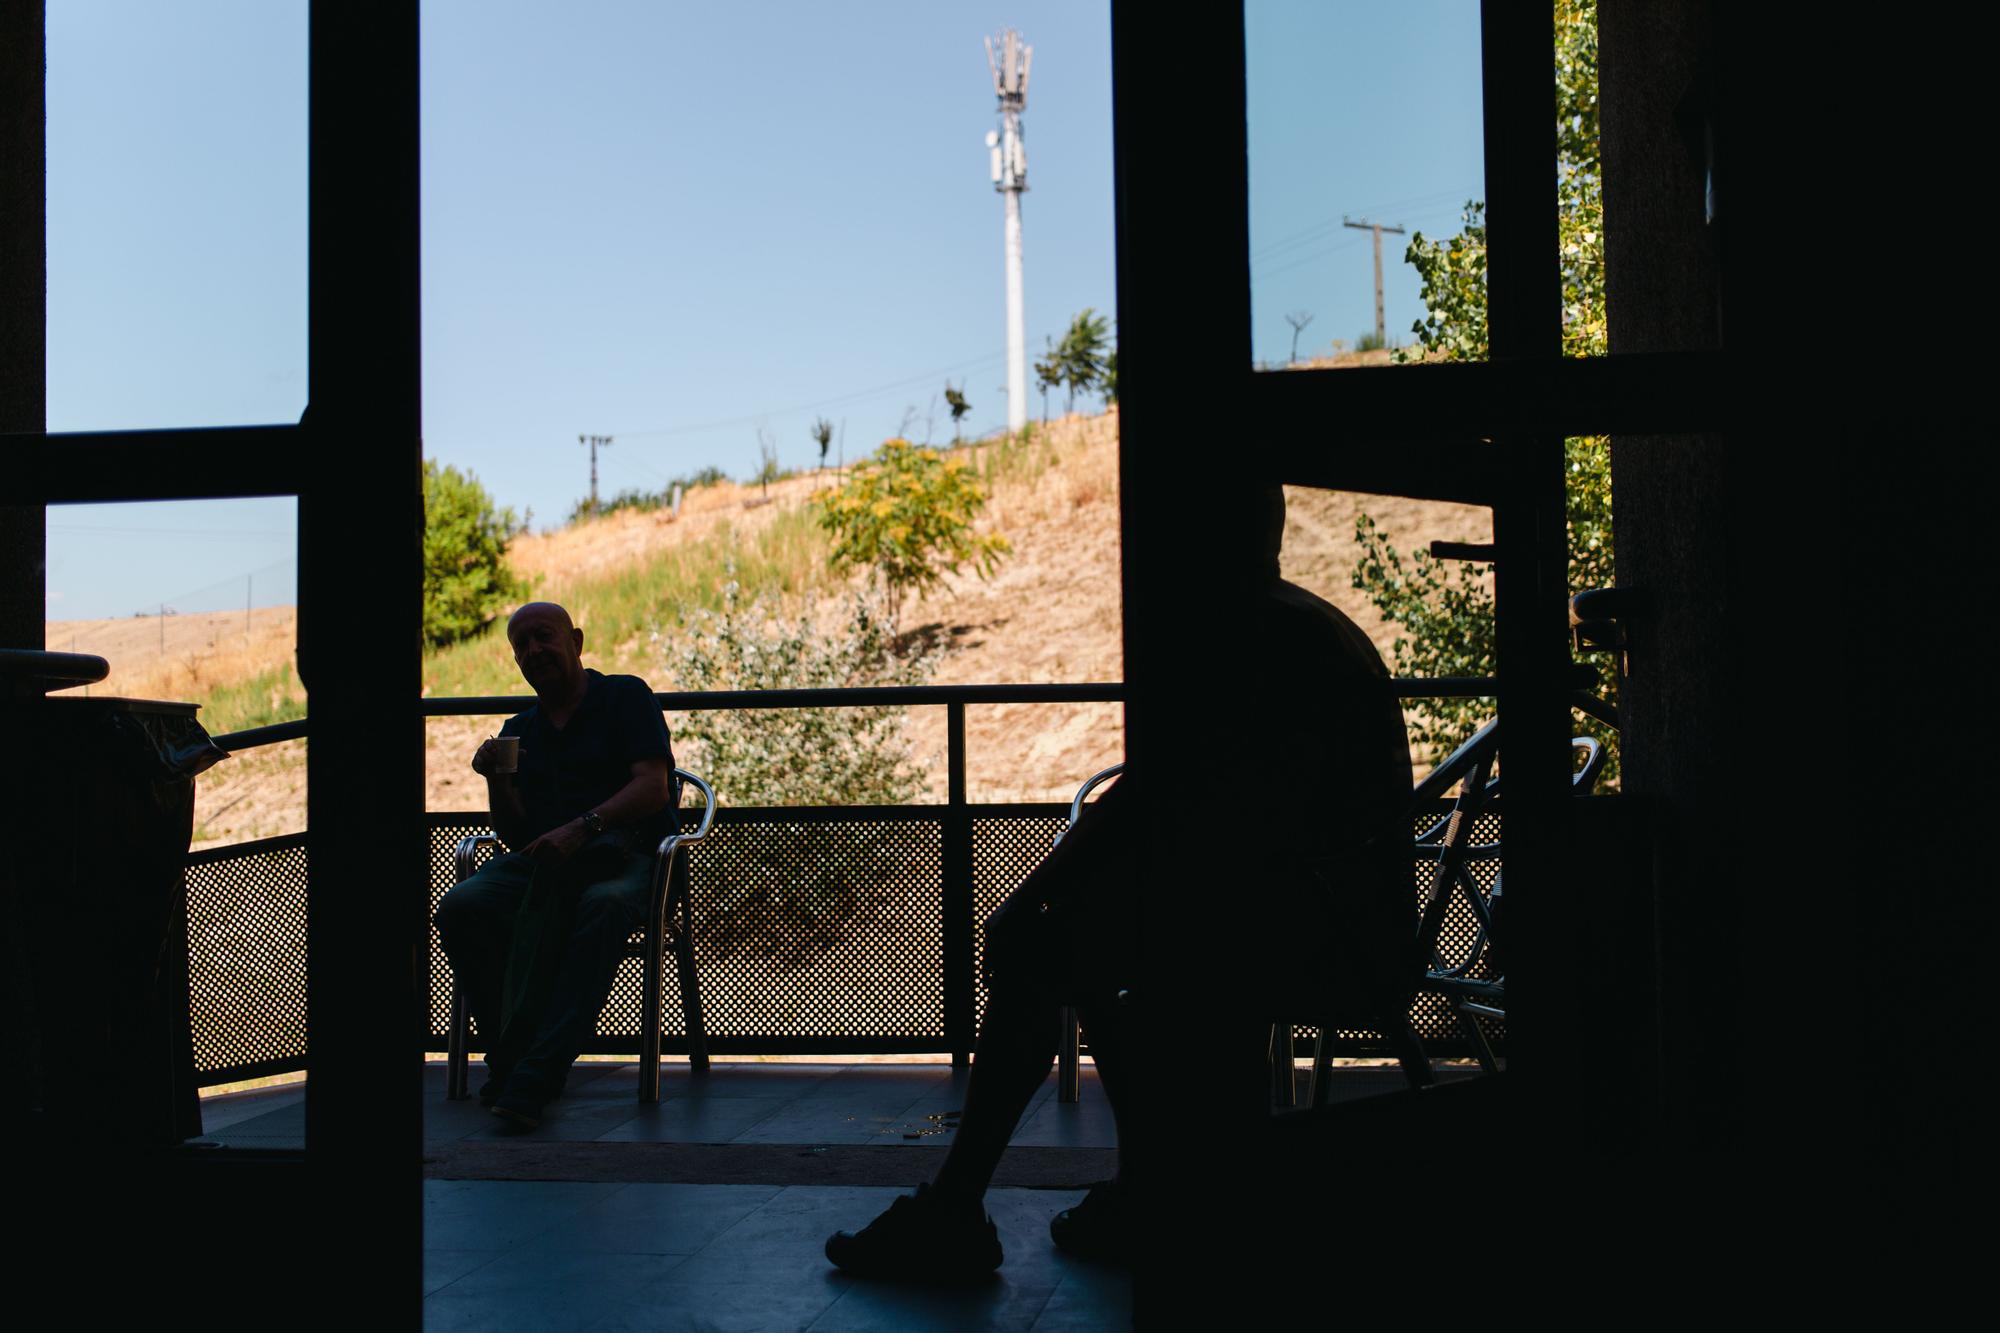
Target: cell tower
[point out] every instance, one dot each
(1010, 65)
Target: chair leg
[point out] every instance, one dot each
(1409, 1049)
(1284, 1071)
(697, 1030)
(1068, 1059)
(1319, 1083)
(649, 1016)
(1475, 1036)
(457, 1039)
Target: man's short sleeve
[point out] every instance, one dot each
(642, 728)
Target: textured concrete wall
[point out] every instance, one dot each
(1673, 500)
(23, 305)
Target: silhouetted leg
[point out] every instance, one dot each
(1059, 937)
(1017, 1044)
(606, 914)
(1106, 1030)
(475, 920)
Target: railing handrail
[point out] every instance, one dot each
(867, 696)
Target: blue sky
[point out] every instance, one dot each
(669, 224)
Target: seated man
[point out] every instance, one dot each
(1319, 743)
(535, 937)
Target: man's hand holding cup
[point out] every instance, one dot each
(497, 756)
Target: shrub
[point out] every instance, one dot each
(906, 516)
(785, 907)
(466, 578)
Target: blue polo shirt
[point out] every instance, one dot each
(568, 770)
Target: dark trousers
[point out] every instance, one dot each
(475, 924)
(1066, 936)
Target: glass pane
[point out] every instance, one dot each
(197, 602)
(176, 213)
(639, 287)
(1363, 117)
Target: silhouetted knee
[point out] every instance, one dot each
(602, 909)
(456, 918)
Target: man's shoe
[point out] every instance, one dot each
(518, 1112)
(922, 1238)
(1096, 1228)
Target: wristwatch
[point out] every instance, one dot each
(593, 821)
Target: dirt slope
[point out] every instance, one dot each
(1050, 614)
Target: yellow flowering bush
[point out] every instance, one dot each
(907, 515)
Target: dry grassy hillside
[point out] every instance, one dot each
(1050, 614)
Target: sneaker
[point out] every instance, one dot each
(1096, 1228)
(518, 1112)
(920, 1239)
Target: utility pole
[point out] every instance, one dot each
(1009, 160)
(1381, 327)
(594, 441)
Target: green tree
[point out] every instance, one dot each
(466, 578)
(1048, 374)
(1443, 610)
(822, 435)
(906, 515)
(955, 399)
(1080, 356)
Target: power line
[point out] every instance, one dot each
(1291, 262)
(753, 418)
(1332, 224)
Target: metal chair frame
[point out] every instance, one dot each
(1472, 997)
(668, 924)
(1470, 766)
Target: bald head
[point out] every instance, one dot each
(556, 613)
(548, 647)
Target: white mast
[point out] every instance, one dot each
(1009, 158)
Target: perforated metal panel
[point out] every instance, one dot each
(814, 929)
(1004, 852)
(246, 940)
(809, 925)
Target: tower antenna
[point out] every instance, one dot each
(1010, 65)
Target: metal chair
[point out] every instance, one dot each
(1476, 986)
(668, 925)
(1449, 839)
(1396, 1029)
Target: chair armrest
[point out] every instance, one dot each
(467, 853)
(1090, 784)
(673, 840)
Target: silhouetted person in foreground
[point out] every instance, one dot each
(1317, 745)
(536, 935)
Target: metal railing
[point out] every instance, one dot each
(910, 987)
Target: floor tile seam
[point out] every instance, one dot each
(845, 1292)
(498, 1255)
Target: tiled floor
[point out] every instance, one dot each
(606, 1254)
(601, 1252)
